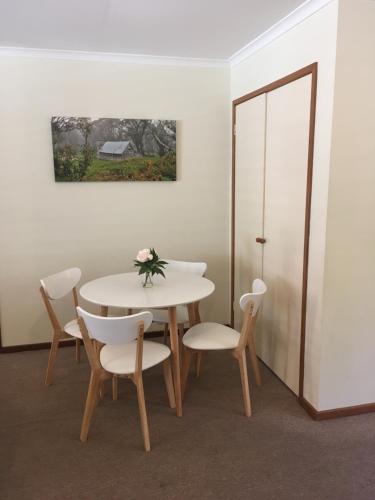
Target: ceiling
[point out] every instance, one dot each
(212, 29)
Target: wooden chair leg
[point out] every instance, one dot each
(167, 372)
(101, 389)
(142, 413)
(254, 359)
(91, 401)
(166, 334)
(198, 363)
(245, 383)
(52, 360)
(97, 395)
(181, 333)
(114, 387)
(185, 369)
(97, 347)
(78, 350)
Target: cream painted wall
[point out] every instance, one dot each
(48, 226)
(310, 41)
(347, 367)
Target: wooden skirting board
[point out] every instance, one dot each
(315, 414)
(346, 411)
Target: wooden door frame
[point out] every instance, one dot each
(312, 70)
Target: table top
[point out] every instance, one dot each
(126, 290)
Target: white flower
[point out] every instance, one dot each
(144, 255)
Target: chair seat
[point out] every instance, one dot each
(211, 336)
(161, 315)
(72, 329)
(120, 359)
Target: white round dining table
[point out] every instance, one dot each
(178, 288)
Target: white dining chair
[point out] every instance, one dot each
(215, 337)
(115, 346)
(53, 288)
(161, 315)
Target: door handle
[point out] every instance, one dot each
(260, 240)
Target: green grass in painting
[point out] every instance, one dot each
(146, 168)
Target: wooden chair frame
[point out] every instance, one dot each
(58, 333)
(239, 353)
(99, 375)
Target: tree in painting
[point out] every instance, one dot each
(112, 149)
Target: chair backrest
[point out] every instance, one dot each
(198, 268)
(250, 303)
(114, 330)
(60, 284)
(259, 288)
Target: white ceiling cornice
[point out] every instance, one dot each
(298, 15)
(79, 55)
(305, 10)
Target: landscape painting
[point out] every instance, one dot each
(113, 149)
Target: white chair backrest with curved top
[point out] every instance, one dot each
(114, 330)
(250, 303)
(60, 284)
(259, 286)
(256, 296)
(198, 268)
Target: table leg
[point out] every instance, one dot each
(176, 358)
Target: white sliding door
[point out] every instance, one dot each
(288, 121)
(249, 185)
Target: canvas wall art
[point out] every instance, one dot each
(113, 149)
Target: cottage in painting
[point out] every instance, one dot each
(116, 150)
